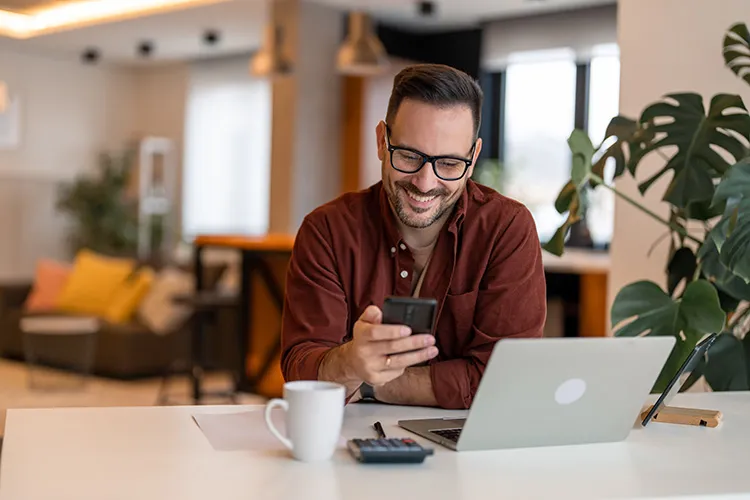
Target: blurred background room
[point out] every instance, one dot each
(158, 156)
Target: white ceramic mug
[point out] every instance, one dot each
(314, 416)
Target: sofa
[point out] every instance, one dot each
(123, 351)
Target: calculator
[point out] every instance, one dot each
(388, 451)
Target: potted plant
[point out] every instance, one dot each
(708, 271)
(104, 217)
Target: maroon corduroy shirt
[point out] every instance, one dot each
(486, 273)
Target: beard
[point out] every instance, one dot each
(416, 217)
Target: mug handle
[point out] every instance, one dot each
(270, 406)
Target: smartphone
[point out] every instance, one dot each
(416, 313)
(674, 385)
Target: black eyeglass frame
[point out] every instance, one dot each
(426, 158)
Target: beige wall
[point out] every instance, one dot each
(665, 46)
(68, 110)
(316, 176)
(69, 113)
(159, 100)
(377, 91)
(305, 114)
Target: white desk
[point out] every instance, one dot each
(160, 453)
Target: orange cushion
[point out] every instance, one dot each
(49, 280)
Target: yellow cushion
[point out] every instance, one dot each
(127, 298)
(93, 282)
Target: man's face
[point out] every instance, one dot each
(420, 199)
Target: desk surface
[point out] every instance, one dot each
(159, 452)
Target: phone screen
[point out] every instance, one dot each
(675, 384)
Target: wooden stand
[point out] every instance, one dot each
(685, 416)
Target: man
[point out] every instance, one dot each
(425, 230)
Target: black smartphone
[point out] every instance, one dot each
(416, 313)
(674, 385)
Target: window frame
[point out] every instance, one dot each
(494, 83)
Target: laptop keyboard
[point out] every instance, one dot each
(449, 434)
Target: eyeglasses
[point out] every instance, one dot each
(411, 161)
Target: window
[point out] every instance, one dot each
(227, 150)
(540, 101)
(603, 105)
(540, 97)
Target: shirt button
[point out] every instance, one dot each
(393, 249)
(402, 246)
(404, 274)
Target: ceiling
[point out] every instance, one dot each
(177, 34)
(28, 6)
(458, 12)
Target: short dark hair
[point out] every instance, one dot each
(439, 85)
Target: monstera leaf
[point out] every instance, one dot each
(625, 132)
(682, 266)
(721, 277)
(572, 197)
(732, 232)
(726, 367)
(737, 51)
(583, 151)
(680, 120)
(654, 312)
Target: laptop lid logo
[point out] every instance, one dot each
(570, 391)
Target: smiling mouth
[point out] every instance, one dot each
(420, 198)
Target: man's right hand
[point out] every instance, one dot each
(377, 353)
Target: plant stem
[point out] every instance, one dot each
(645, 210)
(698, 269)
(656, 243)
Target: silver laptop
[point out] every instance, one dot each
(554, 391)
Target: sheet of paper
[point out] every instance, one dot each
(243, 430)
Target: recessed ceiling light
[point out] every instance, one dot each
(90, 56)
(146, 48)
(426, 9)
(211, 37)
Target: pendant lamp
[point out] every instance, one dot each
(362, 53)
(270, 61)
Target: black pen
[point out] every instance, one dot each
(380, 431)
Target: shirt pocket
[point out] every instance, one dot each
(457, 319)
